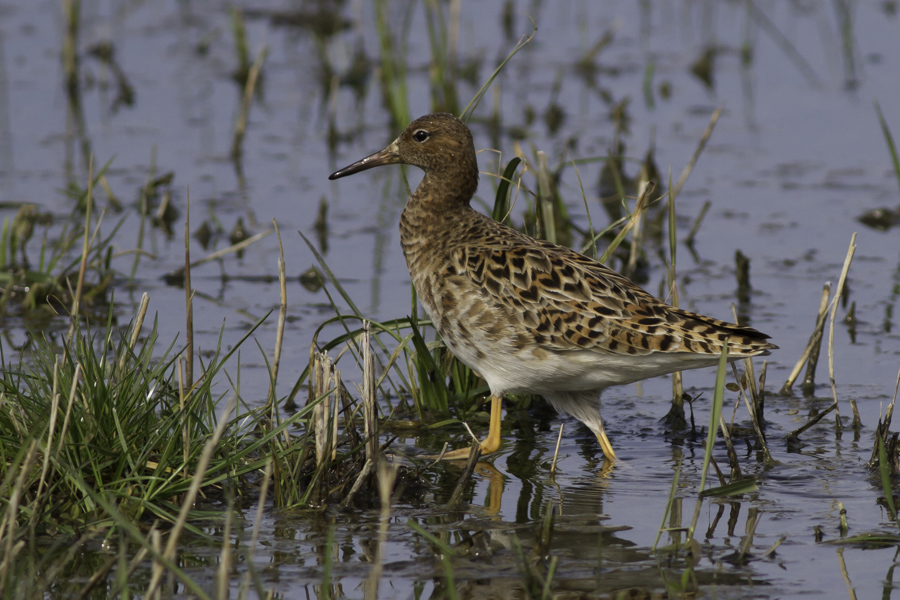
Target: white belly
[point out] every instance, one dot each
(541, 372)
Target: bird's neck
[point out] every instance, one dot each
(438, 208)
(448, 190)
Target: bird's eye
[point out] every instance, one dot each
(421, 135)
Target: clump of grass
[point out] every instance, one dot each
(103, 434)
(101, 431)
(102, 414)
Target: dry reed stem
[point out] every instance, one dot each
(54, 414)
(219, 254)
(327, 383)
(136, 327)
(678, 389)
(763, 372)
(545, 198)
(317, 374)
(750, 378)
(644, 191)
(369, 418)
(188, 297)
(755, 418)
(642, 202)
(809, 380)
(282, 315)
(185, 434)
(754, 392)
(677, 378)
(367, 470)
(814, 339)
(440, 455)
(843, 525)
(556, 450)
(796, 433)
(62, 434)
(719, 474)
(834, 303)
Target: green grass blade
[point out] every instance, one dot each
(718, 401)
(715, 414)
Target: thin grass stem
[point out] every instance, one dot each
(839, 292)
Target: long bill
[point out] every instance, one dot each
(388, 156)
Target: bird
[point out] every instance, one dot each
(528, 315)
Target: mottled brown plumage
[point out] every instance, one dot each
(528, 315)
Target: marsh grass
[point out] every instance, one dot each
(111, 419)
(98, 435)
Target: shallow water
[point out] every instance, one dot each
(796, 157)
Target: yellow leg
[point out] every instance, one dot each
(492, 442)
(606, 446)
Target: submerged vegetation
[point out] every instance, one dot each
(131, 464)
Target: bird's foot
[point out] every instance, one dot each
(490, 444)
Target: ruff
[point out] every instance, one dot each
(527, 315)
